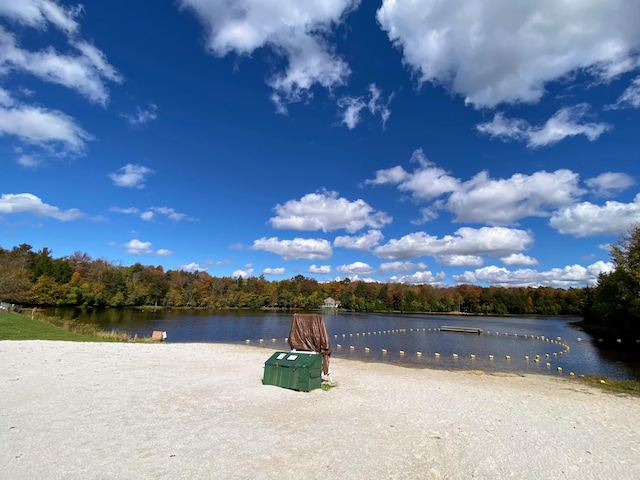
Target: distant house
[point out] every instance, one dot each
(330, 303)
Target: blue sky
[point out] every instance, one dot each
(467, 141)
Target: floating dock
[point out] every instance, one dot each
(460, 329)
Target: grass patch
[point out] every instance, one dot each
(326, 386)
(629, 387)
(15, 326)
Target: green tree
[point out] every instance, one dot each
(613, 307)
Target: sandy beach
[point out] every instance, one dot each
(199, 411)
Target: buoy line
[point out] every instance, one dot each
(563, 350)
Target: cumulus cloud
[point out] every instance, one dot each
(192, 267)
(245, 272)
(576, 276)
(459, 260)
(483, 199)
(298, 248)
(319, 269)
(353, 106)
(326, 211)
(363, 242)
(163, 252)
(298, 31)
(130, 176)
(504, 201)
(356, 268)
(401, 267)
(425, 183)
(137, 247)
(494, 241)
(502, 52)
(420, 278)
(519, 259)
(273, 271)
(566, 122)
(15, 203)
(609, 183)
(586, 219)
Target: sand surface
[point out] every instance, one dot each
(200, 411)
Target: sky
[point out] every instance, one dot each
(486, 142)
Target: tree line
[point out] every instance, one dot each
(38, 279)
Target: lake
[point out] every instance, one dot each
(541, 345)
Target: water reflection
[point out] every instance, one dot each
(508, 344)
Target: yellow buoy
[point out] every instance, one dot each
(401, 352)
(559, 369)
(339, 346)
(490, 357)
(384, 350)
(455, 355)
(261, 340)
(247, 341)
(436, 354)
(473, 356)
(366, 349)
(508, 357)
(418, 354)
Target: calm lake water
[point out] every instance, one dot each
(407, 340)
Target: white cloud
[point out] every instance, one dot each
(352, 106)
(363, 242)
(420, 278)
(356, 268)
(504, 201)
(163, 252)
(192, 267)
(243, 273)
(501, 51)
(566, 122)
(319, 270)
(36, 13)
(130, 176)
(295, 30)
(170, 213)
(85, 73)
(425, 183)
(11, 204)
(483, 199)
(298, 248)
(519, 259)
(137, 247)
(141, 116)
(609, 183)
(147, 216)
(273, 271)
(459, 260)
(494, 241)
(50, 130)
(401, 267)
(326, 211)
(575, 276)
(586, 219)
(630, 98)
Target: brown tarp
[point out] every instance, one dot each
(308, 332)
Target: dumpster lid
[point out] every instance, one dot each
(294, 358)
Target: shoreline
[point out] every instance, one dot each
(199, 410)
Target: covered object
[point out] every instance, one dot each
(308, 332)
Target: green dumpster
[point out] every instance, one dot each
(295, 370)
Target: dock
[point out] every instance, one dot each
(460, 329)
